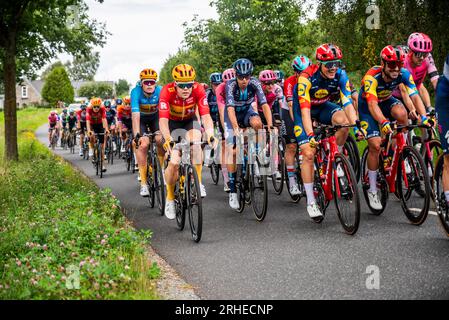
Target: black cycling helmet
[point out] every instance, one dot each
(216, 78)
(83, 107)
(243, 67)
(279, 75)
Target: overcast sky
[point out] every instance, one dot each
(144, 33)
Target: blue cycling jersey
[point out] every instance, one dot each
(241, 100)
(213, 105)
(110, 115)
(144, 104)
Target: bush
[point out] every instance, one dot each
(57, 87)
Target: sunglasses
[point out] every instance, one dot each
(148, 82)
(244, 77)
(421, 55)
(269, 83)
(394, 64)
(96, 107)
(183, 86)
(332, 64)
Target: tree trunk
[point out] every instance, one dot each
(9, 68)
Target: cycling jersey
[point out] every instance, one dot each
(241, 100)
(314, 89)
(213, 105)
(175, 108)
(96, 118)
(71, 121)
(144, 104)
(53, 120)
(274, 95)
(442, 110)
(63, 117)
(374, 87)
(110, 116)
(289, 84)
(81, 115)
(123, 114)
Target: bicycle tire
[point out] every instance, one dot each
(150, 183)
(240, 187)
(440, 198)
(350, 227)
(215, 173)
(194, 199)
(278, 186)
(411, 152)
(256, 182)
(353, 155)
(101, 159)
(159, 185)
(180, 205)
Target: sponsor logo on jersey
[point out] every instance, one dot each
(298, 131)
(322, 93)
(364, 125)
(384, 94)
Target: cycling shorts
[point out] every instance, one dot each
(287, 127)
(98, 128)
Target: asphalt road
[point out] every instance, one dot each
(288, 256)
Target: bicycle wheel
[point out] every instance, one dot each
(150, 182)
(346, 194)
(258, 190)
(159, 186)
(240, 187)
(96, 160)
(111, 150)
(180, 203)
(351, 150)
(215, 172)
(100, 159)
(194, 203)
(431, 161)
(412, 175)
(440, 198)
(279, 164)
(382, 186)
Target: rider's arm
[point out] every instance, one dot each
(267, 113)
(203, 111)
(301, 107)
(424, 94)
(230, 103)
(432, 71)
(346, 99)
(409, 84)
(164, 113)
(405, 97)
(135, 109)
(262, 101)
(221, 103)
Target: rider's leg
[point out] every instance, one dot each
(160, 149)
(307, 171)
(224, 167)
(142, 153)
(171, 174)
(194, 135)
(373, 161)
(290, 153)
(340, 118)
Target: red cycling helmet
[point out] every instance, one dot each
(392, 54)
(328, 52)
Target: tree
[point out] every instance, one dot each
(84, 68)
(50, 68)
(33, 32)
(57, 87)
(122, 87)
(96, 89)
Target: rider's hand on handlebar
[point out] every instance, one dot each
(137, 138)
(360, 133)
(426, 121)
(168, 145)
(212, 141)
(413, 115)
(386, 127)
(313, 140)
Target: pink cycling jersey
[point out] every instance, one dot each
(419, 73)
(220, 93)
(276, 93)
(52, 120)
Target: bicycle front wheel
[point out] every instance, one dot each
(150, 184)
(278, 176)
(412, 175)
(194, 203)
(440, 198)
(351, 150)
(159, 186)
(346, 194)
(259, 191)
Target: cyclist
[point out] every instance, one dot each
(220, 92)
(378, 106)
(215, 80)
(178, 119)
(241, 112)
(124, 117)
(279, 77)
(442, 109)
(81, 115)
(53, 125)
(311, 97)
(111, 118)
(419, 63)
(96, 123)
(118, 103)
(63, 123)
(144, 106)
(300, 63)
(72, 120)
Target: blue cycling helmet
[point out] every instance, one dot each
(243, 67)
(107, 104)
(216, 78)
(301, 63)
(118, 102)
(83, 106)
(279, 75)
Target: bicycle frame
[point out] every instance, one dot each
(329, 147)
(392, 170)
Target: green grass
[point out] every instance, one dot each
(56, 224)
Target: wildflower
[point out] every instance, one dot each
(103, 242)
(127, 267)
(18, 262)
(45, 247)
(82, 263)
(34, 271)
(62, 244)
(121, 259)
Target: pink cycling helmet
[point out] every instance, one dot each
(267, 75)
(420, 42)
(228, 74)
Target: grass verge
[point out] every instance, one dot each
(60, 236)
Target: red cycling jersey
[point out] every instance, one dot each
(289, 84)
(123, 113)
(173, 107)
(96, 117)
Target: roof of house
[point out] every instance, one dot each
(37, 85)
